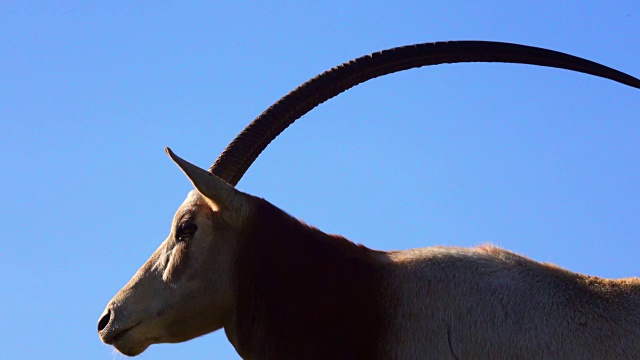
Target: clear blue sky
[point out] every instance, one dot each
(541, 161)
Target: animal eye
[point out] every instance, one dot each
(185, 230)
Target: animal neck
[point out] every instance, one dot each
(303, 293)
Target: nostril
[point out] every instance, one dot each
(104, 321)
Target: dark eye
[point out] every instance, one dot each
(185, 230)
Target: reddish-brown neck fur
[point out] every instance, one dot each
(303, 294)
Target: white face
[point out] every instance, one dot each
(184, 290)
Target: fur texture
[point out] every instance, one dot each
(302, 294)
(285, 290)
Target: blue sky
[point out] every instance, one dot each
(541, 161)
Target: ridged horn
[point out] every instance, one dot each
(245, 148)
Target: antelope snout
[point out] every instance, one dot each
(104, 320)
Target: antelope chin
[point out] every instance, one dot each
(131, 351)
(127, 343)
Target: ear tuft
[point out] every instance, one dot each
(193, 172)
(216, 190)
(172, 155)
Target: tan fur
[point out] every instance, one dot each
(284, 290)
(489, 303)
(184, 289)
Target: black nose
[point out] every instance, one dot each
(104, 320)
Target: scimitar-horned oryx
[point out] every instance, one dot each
(285, 290)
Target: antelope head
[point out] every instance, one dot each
(185, 288)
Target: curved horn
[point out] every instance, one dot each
(245, 148)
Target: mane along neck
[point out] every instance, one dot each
(304, 294)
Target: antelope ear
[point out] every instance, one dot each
(220, 194)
